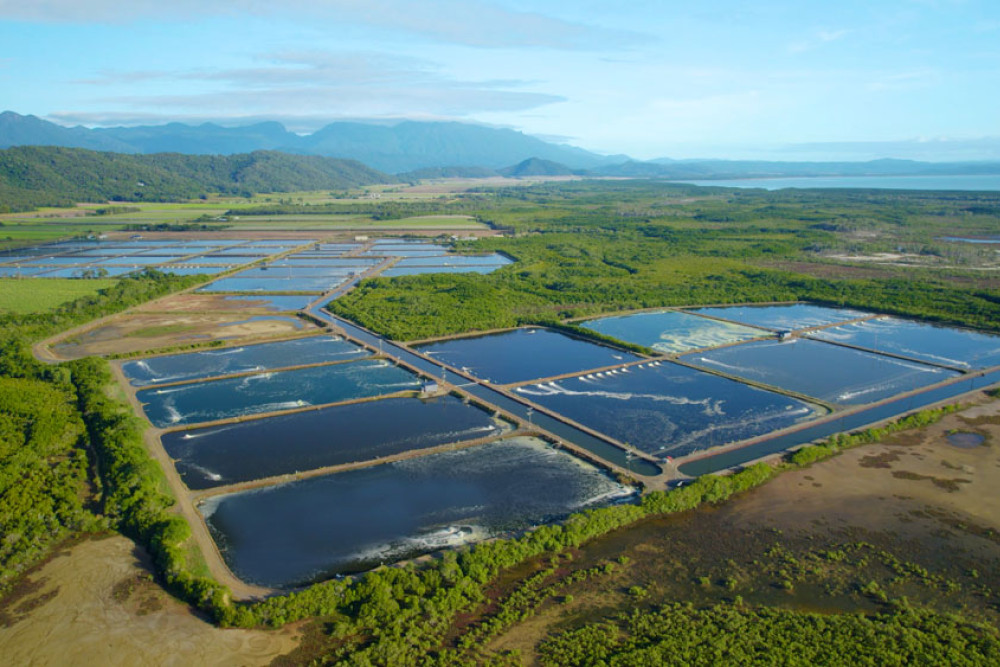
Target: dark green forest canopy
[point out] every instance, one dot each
(32, 176)
(588, 248)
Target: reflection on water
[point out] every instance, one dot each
(524, 354)
(232, 453)
(245, 359)
(668, 410)
(272, 392)
(352, 521)
(961, 348)
(790, 317)
(670, 331)
(829, 372)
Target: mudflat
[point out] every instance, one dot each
(94, 604)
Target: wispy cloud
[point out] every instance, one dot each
(343, 83)
(816, 40)
(476, 23)
(900, 81)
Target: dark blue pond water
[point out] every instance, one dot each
(670, 331)
(796, 316)
(353, 521)
(845, 423)
(266, 356)
(493, 396)
(829, 372)
(668, 410)
(273, 391)
(221, 455)
(524, 354)
(962, 348)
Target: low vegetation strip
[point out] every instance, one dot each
(725, 634)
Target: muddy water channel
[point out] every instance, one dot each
(352, 521)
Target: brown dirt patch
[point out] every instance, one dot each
(207, 303)
(96, 604)
(143, 332)
(915, 515)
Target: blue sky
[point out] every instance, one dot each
(775, 79)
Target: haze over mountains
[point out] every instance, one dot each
(435, 149)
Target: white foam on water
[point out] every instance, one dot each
(214, 476)
(173, 416)
(552, 389)
(443, 537)
(729, 367)
(171, 390)
(220, 353)
(283, 405)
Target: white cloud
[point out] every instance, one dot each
(477, 23)
(816, 40)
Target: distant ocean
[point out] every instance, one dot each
(982, 182)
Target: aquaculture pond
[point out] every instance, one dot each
(396, 271)
(221, 455)
(665, 409)
(272, 272)
(523, 354)
(783, 317)
(272, 284)
(829, 372)
(669, 331)
(960, 348)
(273, 391)
(352, 521)
(245, 359)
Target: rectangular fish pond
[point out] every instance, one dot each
(957, 348)
(241, 452)
(245, 359)
(789, 317)
(523, 354)
(828, 372)
(665, 409)
(195, 402)
(276, 537)
(670, 331)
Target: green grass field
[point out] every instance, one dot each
(40, 295)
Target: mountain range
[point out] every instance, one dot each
(415, 149)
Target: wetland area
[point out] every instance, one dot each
(485, 450)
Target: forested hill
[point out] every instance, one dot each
(32, 176)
